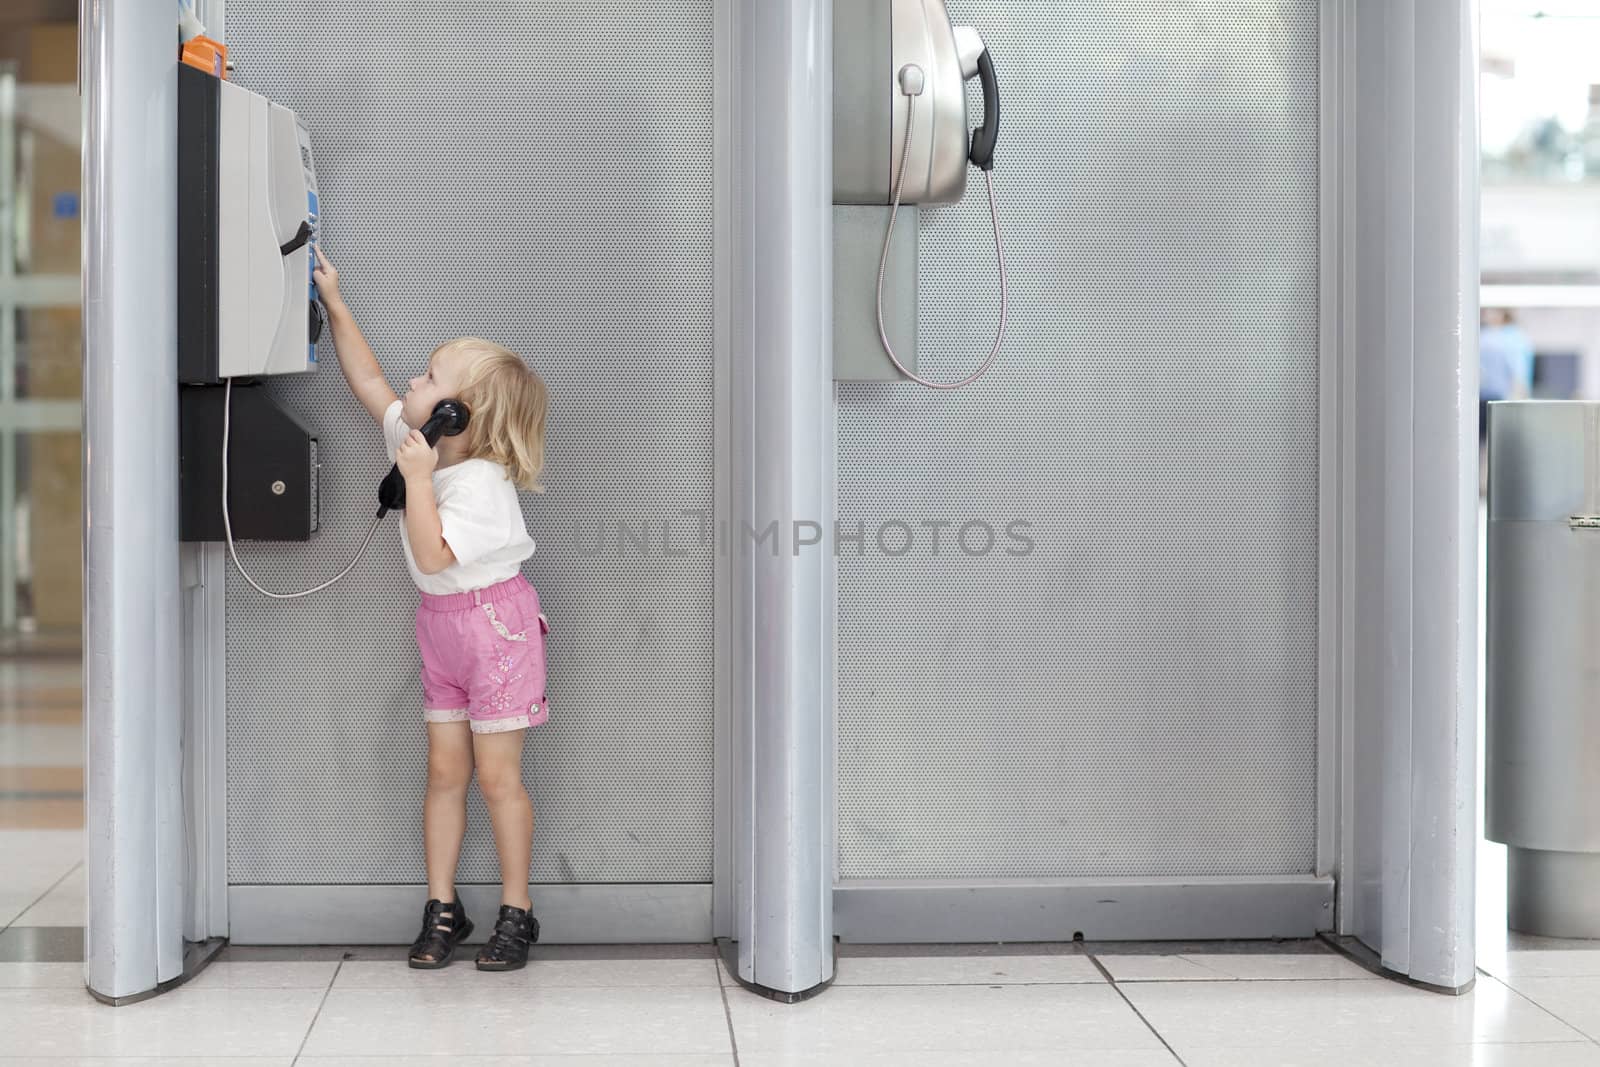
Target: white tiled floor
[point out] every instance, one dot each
(1576, 1000)
(1065, 1019)
(1201, 1009)
(213, 1023)
(1297, 1015)
(41, 865)
(970, 970)
(1230, 968)
(1545, 963)
(556, 1019)
(61, 905)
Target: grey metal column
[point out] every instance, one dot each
(1543, 797)
(1440, 890)
(782, 511)
(133, 800)
(1408, 311)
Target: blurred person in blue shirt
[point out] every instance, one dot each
(1505, 362)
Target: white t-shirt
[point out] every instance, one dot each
(479, 514)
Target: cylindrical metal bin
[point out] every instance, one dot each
(1543, 649)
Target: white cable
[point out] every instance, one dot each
(883, 263)
(227, 523)
(189, 24)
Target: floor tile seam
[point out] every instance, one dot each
(38, 900)
(1593, 1039)
(301, 1051)
(727, 1016)
(1134, 1008)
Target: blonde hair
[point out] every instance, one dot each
(507, 404)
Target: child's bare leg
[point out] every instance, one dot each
(444, 808)
(499, 760)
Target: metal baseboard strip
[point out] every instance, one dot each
(1158, 909)
(634, 913)
(865, 912)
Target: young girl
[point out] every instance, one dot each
(479, 627)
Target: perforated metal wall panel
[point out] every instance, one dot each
(483, 172)
(1137, 695)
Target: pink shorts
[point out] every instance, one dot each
(483, 657)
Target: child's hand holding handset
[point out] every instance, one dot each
(416, 458)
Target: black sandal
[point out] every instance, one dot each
(444, 926)
(507, 949)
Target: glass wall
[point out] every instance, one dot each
(1541, 198)
(41, 462)
(41, 335)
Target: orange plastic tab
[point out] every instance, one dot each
(210, 56)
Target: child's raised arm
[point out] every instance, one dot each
(360, 366)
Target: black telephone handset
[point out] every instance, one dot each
(448, 419)
(983, 138)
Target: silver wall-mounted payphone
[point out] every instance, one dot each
(900, 138)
